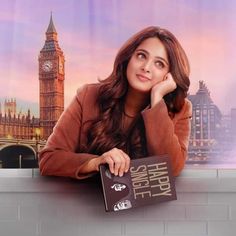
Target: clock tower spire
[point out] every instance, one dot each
(51, 33)
(51, 81)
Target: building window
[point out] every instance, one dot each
(204, 118)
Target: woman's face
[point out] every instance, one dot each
(148, 65)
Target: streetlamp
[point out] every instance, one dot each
(9, 136)
(37, 135)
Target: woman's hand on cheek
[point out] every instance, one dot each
(162, 88)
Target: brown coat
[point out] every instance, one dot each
(62, 154)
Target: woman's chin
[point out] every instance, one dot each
(141, 90)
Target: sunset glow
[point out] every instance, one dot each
(91, 32)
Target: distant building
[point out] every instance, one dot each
(226, 135)
(233, 123)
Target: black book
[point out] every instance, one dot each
(149, 180)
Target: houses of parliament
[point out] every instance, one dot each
(51, 96)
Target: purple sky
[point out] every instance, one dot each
(91, 32)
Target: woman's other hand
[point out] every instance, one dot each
(118, 161)
(162, 88)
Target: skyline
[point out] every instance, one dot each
(90, 48)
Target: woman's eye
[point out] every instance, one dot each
(141, 55)
(160, 64)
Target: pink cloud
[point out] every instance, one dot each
(208, 40)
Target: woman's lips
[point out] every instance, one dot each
(142, 78)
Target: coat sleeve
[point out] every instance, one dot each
(59, 157)
(168, 136)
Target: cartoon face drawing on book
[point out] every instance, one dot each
(118, 186)
(122, 205)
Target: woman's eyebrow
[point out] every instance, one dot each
(160, 58)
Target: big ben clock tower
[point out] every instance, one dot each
(51, 81)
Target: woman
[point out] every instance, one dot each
(139, 110)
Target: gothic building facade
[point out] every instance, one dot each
(205, 124)
(206, 119)
(17, 125)
(212, 133)
(51, 95)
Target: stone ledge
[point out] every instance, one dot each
(192, 180)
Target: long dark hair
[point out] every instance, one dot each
(106, 131)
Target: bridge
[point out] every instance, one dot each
(20, 153)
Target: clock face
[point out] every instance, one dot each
(47, 66)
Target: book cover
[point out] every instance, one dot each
(149, 180)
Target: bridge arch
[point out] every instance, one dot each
(18, 156)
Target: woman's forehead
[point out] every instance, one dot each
(154, 47)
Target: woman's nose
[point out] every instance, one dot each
(146, 66)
